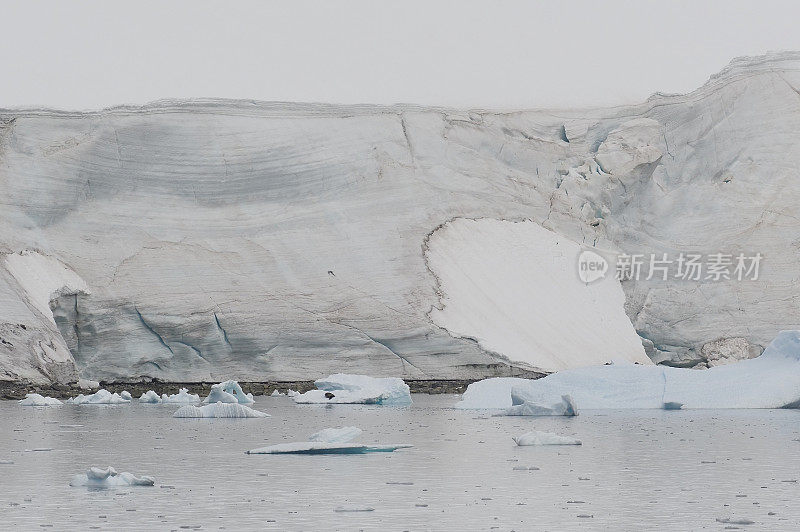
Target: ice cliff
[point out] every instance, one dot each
(208, 239)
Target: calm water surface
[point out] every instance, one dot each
(636, 470)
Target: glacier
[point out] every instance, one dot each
(203, 240)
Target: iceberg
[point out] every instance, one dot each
(34, 399)
(312, 447)
(183, 396)
(150, 397)
(125, 394)
(565, 407)
(771, 380)
(536, 437)
(97, 477)
(357, 389)
(276, 393)
(218, 410)
(335, 435)
(228, 392)
(101, 397)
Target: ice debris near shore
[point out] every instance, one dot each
(34, 399)
(150, 397)
(228, 392)
(183, 396)
(96, 477)
(771, 380)
(357, 389)
(218, 410)
(125, 394)
(101, 397)
(536, 437)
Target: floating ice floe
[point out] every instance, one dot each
(536, 437)
(125, 394)
(329, 441)
(276, 393)
(357, 389)
(219, 410)
(771, 380)
(183, 396)
(228, 392)
(150, 397)
(336, 435)
(97, 477)
(34, 399)
(292, 393)
(312, 447)
(101, 397)
(565, 407)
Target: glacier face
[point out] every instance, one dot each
(208, 240)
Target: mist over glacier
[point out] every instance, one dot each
(212, 239)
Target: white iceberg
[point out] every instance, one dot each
(183, 396)
(565, 407)
(275, 393)
(219, 410)
(312, 447)
(536, 437)
(357, 389)
(228, 392)
(293, 393)
(150, 397)
(489, 394)
(96, 477)
(771, 380)
(101, 397)
(335, 435)
(125, 394)
(34, 399)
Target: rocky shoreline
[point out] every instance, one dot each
(12, 390)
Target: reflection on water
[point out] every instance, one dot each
(671, 470)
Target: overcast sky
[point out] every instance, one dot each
(499, 54)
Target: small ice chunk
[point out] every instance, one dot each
(96, 477)
(34, 399)
(293, 393)
(228, 392)
(357, 389)
(150, 397)
(125, 394)
(183, 396)
(276, 393)
(536, 437)
(565, 407)
(335, 435)
(218, 410)
(101, 397)
(345, 509)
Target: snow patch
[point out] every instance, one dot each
(514, 287)
(43, 278)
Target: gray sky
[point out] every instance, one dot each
(500, 54)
